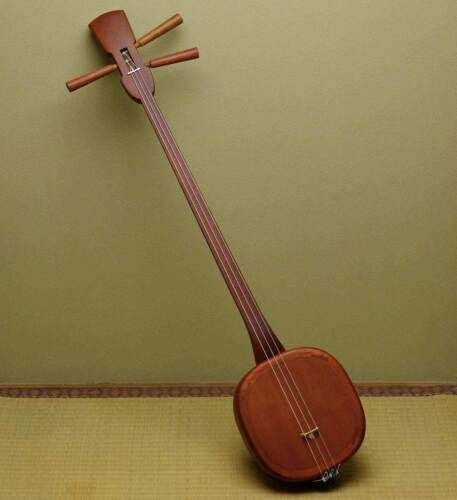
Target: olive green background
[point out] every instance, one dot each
(323, 135)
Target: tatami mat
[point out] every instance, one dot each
(182, 448)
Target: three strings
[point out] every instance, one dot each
(211, 230)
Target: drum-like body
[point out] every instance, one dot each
(299, 415)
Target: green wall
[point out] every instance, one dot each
(323, 135)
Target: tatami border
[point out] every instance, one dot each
(199, 390)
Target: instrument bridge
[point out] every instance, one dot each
(311, 434)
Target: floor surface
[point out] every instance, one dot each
(180, 448)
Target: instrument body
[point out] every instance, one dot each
(270, 430)
(297, 410)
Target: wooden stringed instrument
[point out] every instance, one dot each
(297, 410)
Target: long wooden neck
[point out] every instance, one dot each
(264, 342)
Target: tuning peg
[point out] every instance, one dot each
(160, 30)
(169, 24)
(177, 57)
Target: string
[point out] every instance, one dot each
(262, 318)
(279, 383)
(282, 373)
(304, 417)
(277, 360)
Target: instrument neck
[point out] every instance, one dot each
(264, 342)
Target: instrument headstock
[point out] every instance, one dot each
(113, 31)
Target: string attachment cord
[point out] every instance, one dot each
(329, 475)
